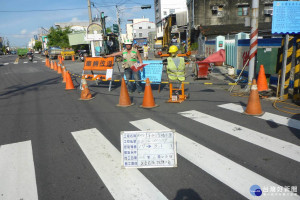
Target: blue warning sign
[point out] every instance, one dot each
(286, 17)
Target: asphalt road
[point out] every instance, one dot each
(221, 152)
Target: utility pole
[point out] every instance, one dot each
(119, 26)
(253, 39)
(90, 11)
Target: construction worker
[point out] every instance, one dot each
(130, 57)
(176, 74)
(175, 65)
(146, 51)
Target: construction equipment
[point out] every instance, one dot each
(177, 95)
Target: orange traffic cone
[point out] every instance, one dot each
(59, 59)
(55, 66)
(63, 72)
(253, 106)
(52, 64)
(124, 100)
(262, 83)
(69, 82)
(148, 101)
(65, 76)
(85, 92)
(46, 62)
(73, 58)
(59, 70)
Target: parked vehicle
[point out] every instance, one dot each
(22, 52)
(53, 52)
(13, 52)
(67, 53)
(82, 54)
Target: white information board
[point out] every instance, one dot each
(148, 149)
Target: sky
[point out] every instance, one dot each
(20, 20)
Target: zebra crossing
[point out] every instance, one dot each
(105, 159)
(213, 163)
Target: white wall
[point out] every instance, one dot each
(129, 31)
(175, 5)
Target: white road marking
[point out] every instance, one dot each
(25, 62)
(106, 160)
(228, 172)
(17, 174)
(286, 121)
(281, 147)
(5, 63)
(34, 61)
(43, 61)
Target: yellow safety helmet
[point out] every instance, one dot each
(173, 49)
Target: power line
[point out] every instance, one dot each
(50, 10)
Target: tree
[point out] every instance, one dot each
(38, 45)
(59, 37)
(108, 30)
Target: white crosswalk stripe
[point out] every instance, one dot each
(17, 174)
(266, 116)
(106, 160)
(230, 173)
(281, 147)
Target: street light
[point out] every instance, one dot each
(118, 19)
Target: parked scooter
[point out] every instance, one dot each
(30, 56)
(82, 54)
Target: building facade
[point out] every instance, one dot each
(139, 28)
(215, 17)
(74, 26)
(165, 8)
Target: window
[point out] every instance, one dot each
(165, 12)
(172, 11)
(135, 35)
(243, 11)
(140, 34)
(140, 27)
(149, 27)
(217, 10)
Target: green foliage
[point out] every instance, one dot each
(38, 45)
(108, 30)
(194, 46)
(59, 37)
